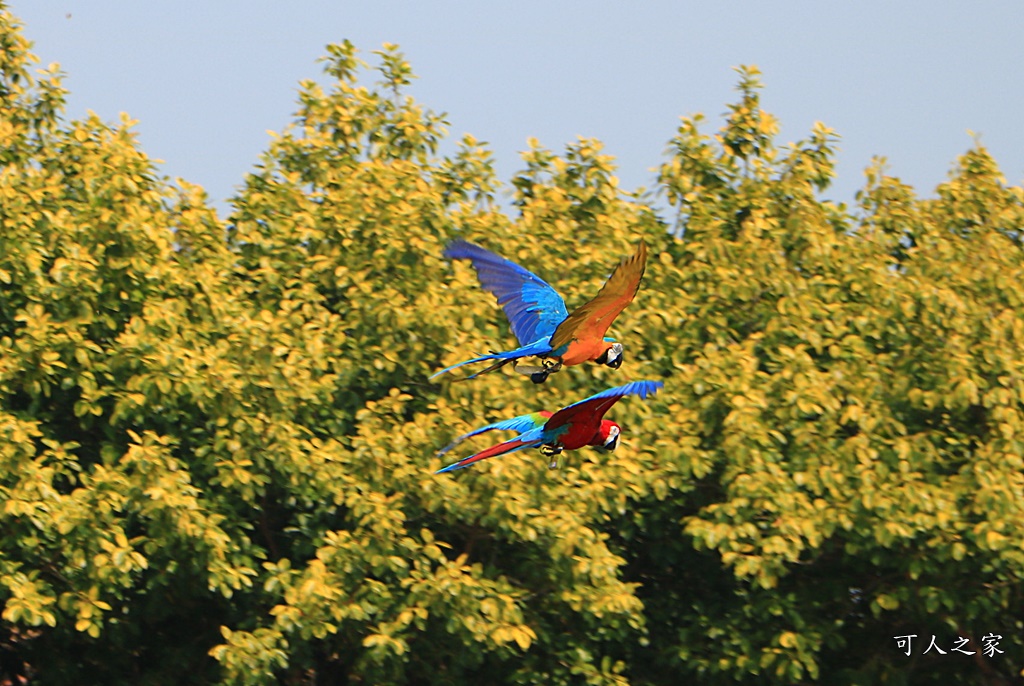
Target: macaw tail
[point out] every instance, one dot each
(501, 449)
(498, 364)
(520, 424)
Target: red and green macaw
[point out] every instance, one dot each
(572, 427)
(538, 316)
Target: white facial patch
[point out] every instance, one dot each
(613, 437)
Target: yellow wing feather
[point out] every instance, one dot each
(592, 319)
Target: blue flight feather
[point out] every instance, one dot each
(640, 388)
(533, 307)
(605, 399)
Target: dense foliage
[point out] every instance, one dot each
(218, 435)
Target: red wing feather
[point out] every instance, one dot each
(593, 408)
(592, 319)
(596, 405)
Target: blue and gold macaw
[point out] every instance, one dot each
(538, 316)
(572, 427)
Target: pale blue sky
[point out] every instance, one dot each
(207, 79)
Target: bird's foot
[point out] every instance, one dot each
(539, 373)
(550, 450)
(551, 365)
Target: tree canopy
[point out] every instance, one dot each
(217, 435)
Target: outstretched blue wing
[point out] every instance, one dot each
(533, 307)
(520, 425)
(599, 403)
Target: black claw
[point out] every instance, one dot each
(539, 377)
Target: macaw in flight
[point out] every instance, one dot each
(539, 319)
(572, 427)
